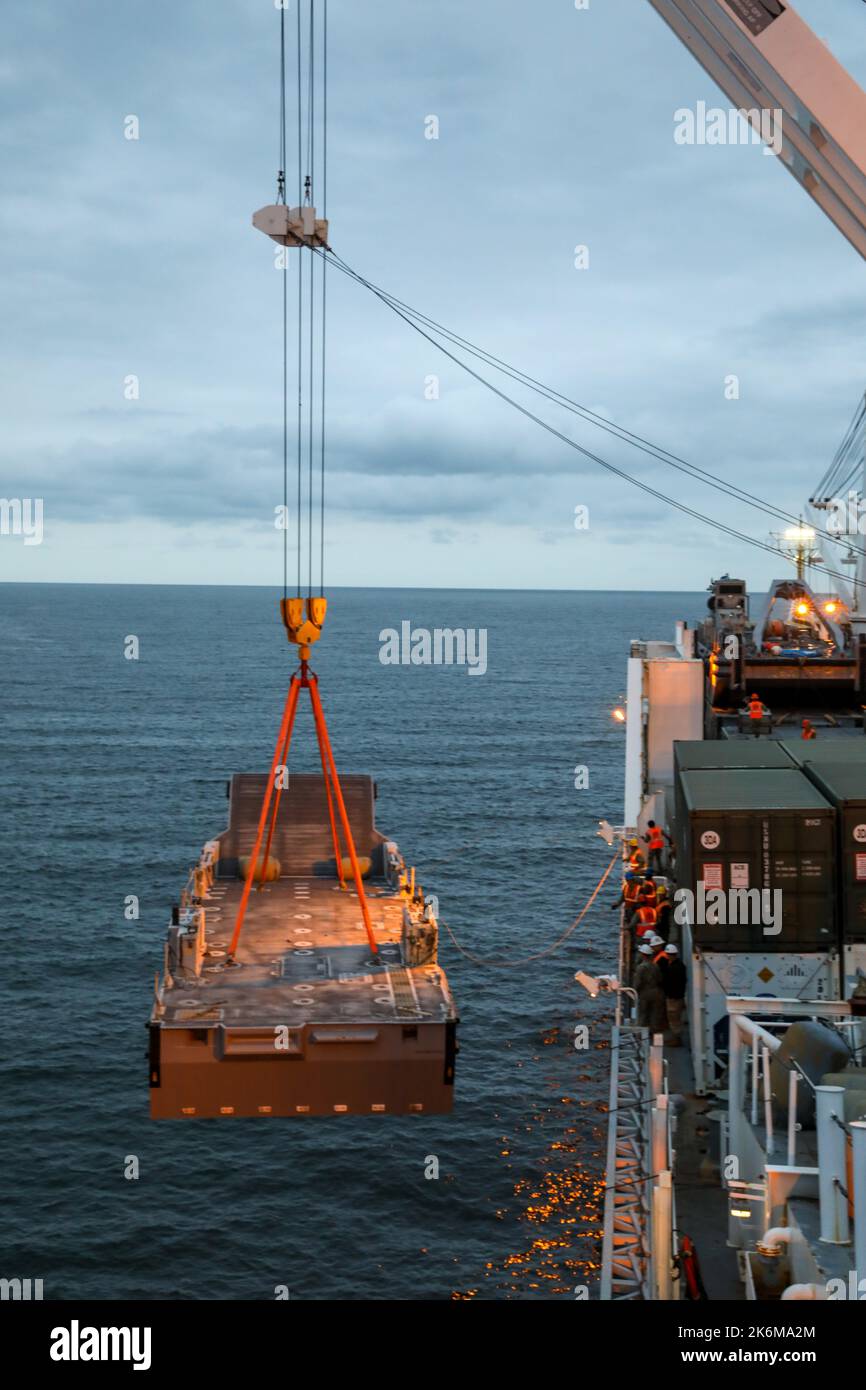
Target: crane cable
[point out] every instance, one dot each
(300, 294)
(407, 317)
(324, 291)
(591, 417)
(493, 963)
(311, 344)
(416, 319)
(842, 471)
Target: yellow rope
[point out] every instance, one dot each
(539, 955)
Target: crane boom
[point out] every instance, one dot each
(766, 59)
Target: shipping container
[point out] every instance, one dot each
(830, 748)
(745, 836)
(844, 786)
(730, 752)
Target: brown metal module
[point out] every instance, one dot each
(307, 1020)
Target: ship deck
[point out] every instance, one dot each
(701, 1201)
(303, 957)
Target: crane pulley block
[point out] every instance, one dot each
(292, 226)
(303, 619)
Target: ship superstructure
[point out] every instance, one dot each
(746, 741)
(752, 1138)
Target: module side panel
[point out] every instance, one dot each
(395, 1068)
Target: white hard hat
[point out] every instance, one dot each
(655, 940)
(645, 950)
(671, 950)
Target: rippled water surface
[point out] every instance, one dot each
(114, 774)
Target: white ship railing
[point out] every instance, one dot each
(837, 1181)
(639, 1212)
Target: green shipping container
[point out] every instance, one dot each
(832, 748)
(844, 786)
(730, 752)
(753, 833)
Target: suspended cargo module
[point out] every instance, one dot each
(305, 1019)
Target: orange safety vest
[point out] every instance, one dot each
(809, 733)
(656, 838)
(646, 918)
(636, 859)
(631, 890)
(756, 709)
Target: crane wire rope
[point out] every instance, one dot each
(592, 417)
(281, 198)
(837, 465)
(837, 480)
(300, 287)
(324, 263)
(565, 439)
(311, 341)
(415, 319)
(312, 305)
(308, 197)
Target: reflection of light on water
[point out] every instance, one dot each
(565, 1207)
(561, 1209)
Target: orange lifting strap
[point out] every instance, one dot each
(303, 680)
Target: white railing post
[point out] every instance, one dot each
(736, 1085)
(768, 1102)
(793, 1079)
(755, 1084)
(657, 1064)
(647, 1189)
(830, 1101)
(858, 1142)
(662, 1202)
(659, 1151)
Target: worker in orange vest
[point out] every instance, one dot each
(636, 859)
(663, 912)
(659, 959)
(629, 893)
(756, 713)
(645, 919)
(808, 730)
(655, 839)
(647, 892)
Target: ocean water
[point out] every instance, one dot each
(113, 774)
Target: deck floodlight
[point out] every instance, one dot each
(606, 832)
(597, 984)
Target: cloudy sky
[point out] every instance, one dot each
(122, 257)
